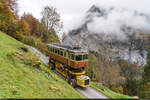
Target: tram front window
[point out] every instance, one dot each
(85, 57)
(78, 57)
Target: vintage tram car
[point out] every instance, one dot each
(70, 62)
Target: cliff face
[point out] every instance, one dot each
(113, 33)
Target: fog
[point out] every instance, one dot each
(114, 19)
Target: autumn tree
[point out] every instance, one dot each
(5, 13)
(7, 21)
(108, 73)
(13, 6)
(33, 24)
(24, 27)
(38, 29)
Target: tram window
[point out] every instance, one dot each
(79, 57)
(51, 49)
(72, 56)
(85, 57)
(58, 52)
(64, 54)
(61, 53)
(55, 51)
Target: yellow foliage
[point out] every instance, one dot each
(120, 89)
(24, 27)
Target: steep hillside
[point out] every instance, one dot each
(18, 79)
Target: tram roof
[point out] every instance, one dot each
(75, 49)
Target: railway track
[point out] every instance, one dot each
(88, 92)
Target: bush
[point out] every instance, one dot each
(19, 36)
(132, 86)
(29, 40)
(3, 26)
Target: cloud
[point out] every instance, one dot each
(114, 19)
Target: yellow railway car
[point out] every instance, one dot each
(70, 62)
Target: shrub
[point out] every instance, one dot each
(19, 36)
(132, 86)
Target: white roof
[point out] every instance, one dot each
(68, 48)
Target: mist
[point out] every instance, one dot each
(110, 20)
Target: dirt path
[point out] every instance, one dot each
(88, 92)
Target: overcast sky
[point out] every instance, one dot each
(72, 10)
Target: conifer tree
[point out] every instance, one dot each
(144, 91)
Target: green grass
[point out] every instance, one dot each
(18, 79)
(110, 93)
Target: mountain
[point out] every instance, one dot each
(116, 33)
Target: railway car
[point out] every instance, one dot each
(70, 62)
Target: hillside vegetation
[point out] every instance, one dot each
(94, 73)
(19, 79)
(28, 29)
(109, 93)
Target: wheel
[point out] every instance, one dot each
(73, 83)
(67, 79)
(52, 66)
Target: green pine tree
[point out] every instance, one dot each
(144, 90)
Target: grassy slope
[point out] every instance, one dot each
(110, 93)
(19, 80)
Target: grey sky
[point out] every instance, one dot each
(72, 10)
